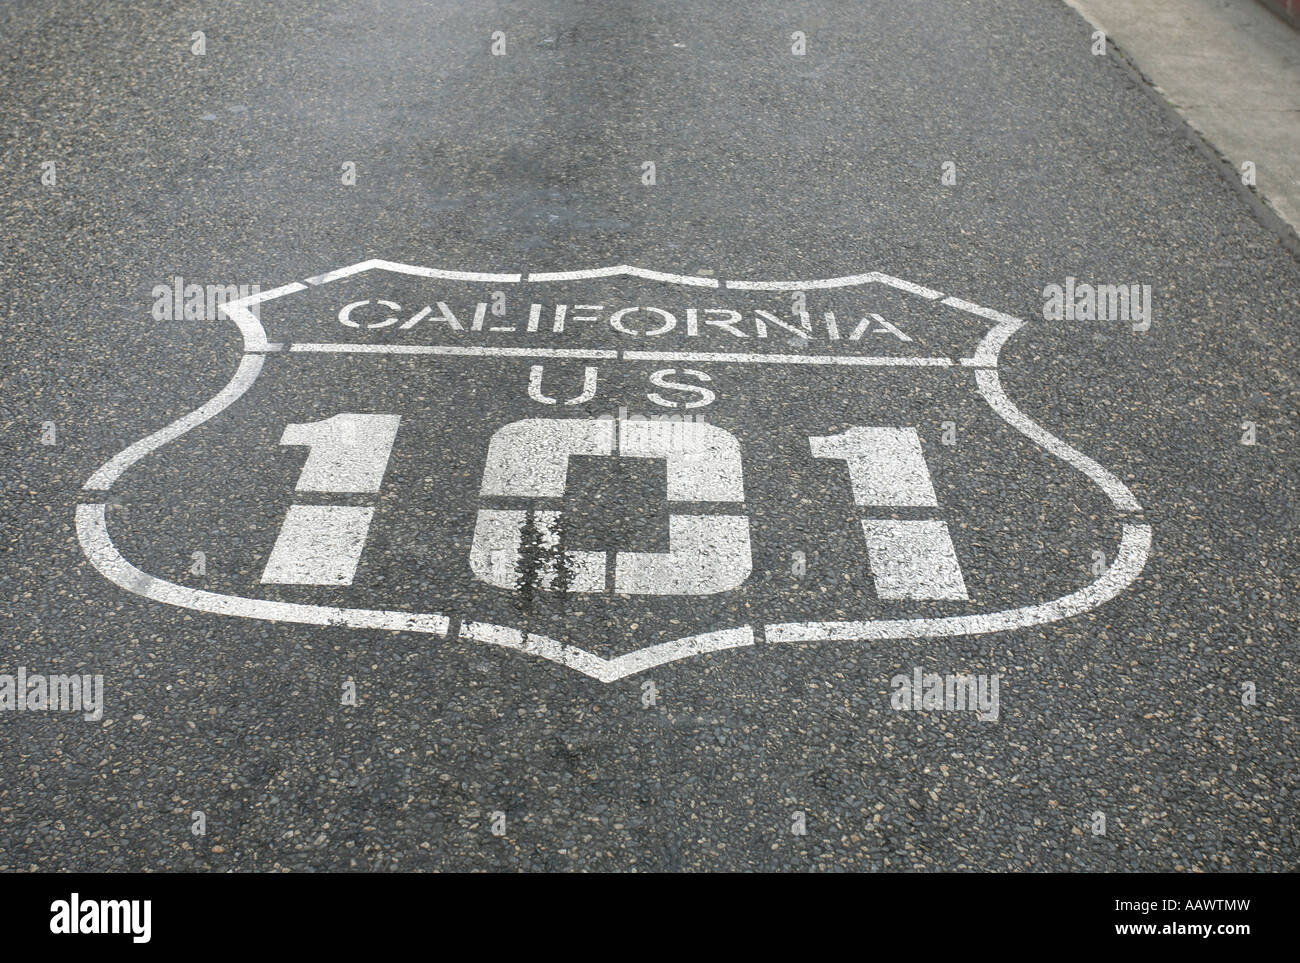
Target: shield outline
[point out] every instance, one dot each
(1134, 548)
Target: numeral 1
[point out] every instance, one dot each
(909, 559)
(322, 544)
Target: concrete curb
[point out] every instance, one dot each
(1288, 10)
(1230, 72)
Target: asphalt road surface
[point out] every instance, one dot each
(541, 566)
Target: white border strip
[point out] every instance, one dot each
(425, 272)
(907, 286)
(344, 272)
(457, 351)
(588, 273)
(251, 328)
(1134, 547)
(690, 279)
(987, 351)
(991, 388)
(844, 282)
(982, 312)
(92, 532)
(397, 267)
(250, 366)
(624, 269)
(740, 358)
(484, 351)
(606, 670)
(874, 277)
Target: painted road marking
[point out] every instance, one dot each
(1134, 549)
(737, 357)
(530, 458)
(607, 355)
(92, 533)
(589, 382)
(318, 545)
(606, 670)
(477, 351)
(911, 560)
(322, 544)
(703, 460)
(886, 465)
(496, 555)
(624, 269)
(585, 354)
(396, 267)
(348, 453)
(853, 280)
(706, 554)
(250, 366)
(991, 388)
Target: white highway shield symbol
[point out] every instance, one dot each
(615, 468)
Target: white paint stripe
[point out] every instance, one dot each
(602, 354)
(908, 286)
(249, 326)
(319, 545)
(457, 351)
(344, 272)
(874, 277)
(987, 351)
(606, 670)
(426, 272)
(991, 388)
(741, 358)
(249, 368)
(982, 312)
(843, 282)
(1134, 548)
(604, 272)
(690, 279)
(92, 532)
(397, 267)
(624, 269)
(260, 296)
(913, 560)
